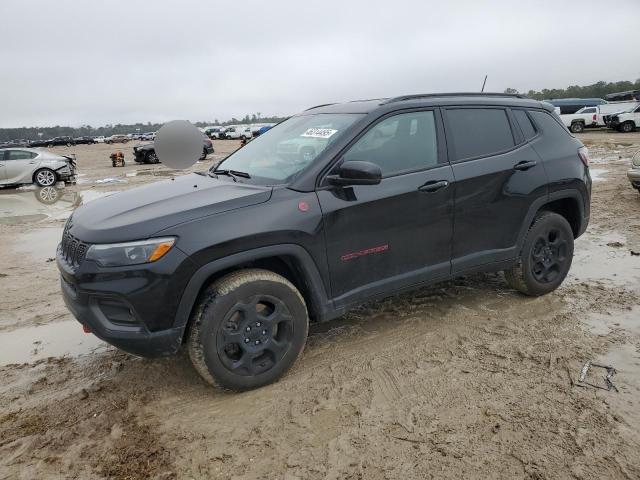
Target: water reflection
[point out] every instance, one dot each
(19, 206)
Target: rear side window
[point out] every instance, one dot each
(524, 121)
(550, 127)
(477, 132)
(20, 155)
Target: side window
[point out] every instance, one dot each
(524, 121)
(20, 155)
(549, 126)
(399, 143)
(589, 110)
(476, 132)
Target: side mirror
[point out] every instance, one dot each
(354, 172)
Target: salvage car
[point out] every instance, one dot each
(84, 140)
(31, 165)
(146, 153)
(627, 121)
(233, 263)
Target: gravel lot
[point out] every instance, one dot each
(466, 379)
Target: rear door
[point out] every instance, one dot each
(386, 236)
(497, 177)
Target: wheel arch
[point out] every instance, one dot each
(568, 203)
(289, 260)
(43, 167)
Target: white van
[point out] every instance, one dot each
(242, 132)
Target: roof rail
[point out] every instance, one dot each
(318, 106)
(459, 94)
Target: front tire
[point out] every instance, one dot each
(151, 157)
(45, 177)
(248, 330)
(627, 127)
(546, 256)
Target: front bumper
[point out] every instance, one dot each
(209, 149)
(634, 177)
(132, 308)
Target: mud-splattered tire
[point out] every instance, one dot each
(247, 330)
(546, 256)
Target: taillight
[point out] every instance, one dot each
(583, 153)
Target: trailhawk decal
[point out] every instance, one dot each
(319, 132)
(362, 253)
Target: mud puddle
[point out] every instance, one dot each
(37, 204)
(598, 174)
(606, 257)
(604, 324)
(66, 338)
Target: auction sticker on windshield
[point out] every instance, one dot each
(319, 132)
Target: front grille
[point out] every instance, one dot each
(73, 250)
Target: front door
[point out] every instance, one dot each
(397, 233)
(18, 165)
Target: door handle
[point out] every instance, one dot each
(433, 186)
(525, 165)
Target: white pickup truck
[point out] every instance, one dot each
(596, 116)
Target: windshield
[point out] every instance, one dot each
(288, 148)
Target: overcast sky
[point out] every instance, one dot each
(74, 62)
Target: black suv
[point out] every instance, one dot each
(336, 206)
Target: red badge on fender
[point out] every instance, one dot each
(303, 206)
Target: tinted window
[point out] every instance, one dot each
(589, 110)
(400, 143)
(524, 121)
(20, 155)
(478, 131)
(550, 127)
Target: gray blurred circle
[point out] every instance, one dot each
(178, 144)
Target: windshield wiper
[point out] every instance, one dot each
(232, 173)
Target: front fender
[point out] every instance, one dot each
(311, 276)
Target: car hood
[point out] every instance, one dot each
(142, 212)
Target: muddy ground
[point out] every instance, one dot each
(466, 379)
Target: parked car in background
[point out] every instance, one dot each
(31, 165)
(147, 153)
(58, 141)
(238, 132)
(634, 173)
(572, 105)
(262, 130)
(213, 131)
(629, 95)
(116, 139)
(627, 121)
(99, 139)
(149, 136)
(84, 140)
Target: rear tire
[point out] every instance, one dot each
(248, 330)
(577, 127)
(151, 157)
(45, 177)
(546, 256)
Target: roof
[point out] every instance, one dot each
(425, 99)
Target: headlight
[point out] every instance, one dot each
(130, 253)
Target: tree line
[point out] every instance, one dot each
(596, 90)
(35, 133)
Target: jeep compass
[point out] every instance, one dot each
(336, 206)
